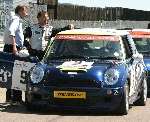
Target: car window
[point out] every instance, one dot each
(142, 44)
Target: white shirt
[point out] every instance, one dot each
(14, 28)
(39, 34)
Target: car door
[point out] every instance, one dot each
(135, 65)
(136, 72)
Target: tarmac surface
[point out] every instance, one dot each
(19, 113)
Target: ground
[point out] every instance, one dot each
(18, 113)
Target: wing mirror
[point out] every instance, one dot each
(137, 55)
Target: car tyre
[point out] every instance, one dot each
(124, 106)
(30, 107)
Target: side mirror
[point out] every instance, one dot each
(137, 55)
(140, 56)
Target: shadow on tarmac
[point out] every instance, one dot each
(6, 107)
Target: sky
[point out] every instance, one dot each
(132, 4)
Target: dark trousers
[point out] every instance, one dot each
(11, 94)
(37, 53)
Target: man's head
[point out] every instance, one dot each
(43, 18)
(21, 10)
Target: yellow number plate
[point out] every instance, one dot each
(69, 94)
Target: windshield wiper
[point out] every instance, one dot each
(104, 58)
(112, 57)
(69, 56)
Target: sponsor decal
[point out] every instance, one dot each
(69, 94)
(20, 73)
(76, 65)
(140, 32)
(4, 75)
(141, 36)
(87, 37)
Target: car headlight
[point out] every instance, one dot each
(37, 74)
(111, 76)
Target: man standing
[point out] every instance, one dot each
(40, 33)
(13, 42)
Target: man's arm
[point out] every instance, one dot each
(55, 31)
(12, 29)
(14, 44)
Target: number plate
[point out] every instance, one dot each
(69, 94)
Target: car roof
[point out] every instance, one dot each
(139, 31)
(94, 31)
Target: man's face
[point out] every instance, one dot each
(23, 12)
(43, 20)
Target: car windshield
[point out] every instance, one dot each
(142, 45)
(85, 49)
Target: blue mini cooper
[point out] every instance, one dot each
(89, 68)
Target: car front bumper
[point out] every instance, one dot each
(96, 98)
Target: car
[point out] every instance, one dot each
(141, 38)
(90, 69)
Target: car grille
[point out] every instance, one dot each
(79, 71)
(71, 83)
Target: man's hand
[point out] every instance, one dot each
(15, 50)
(71, 26)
